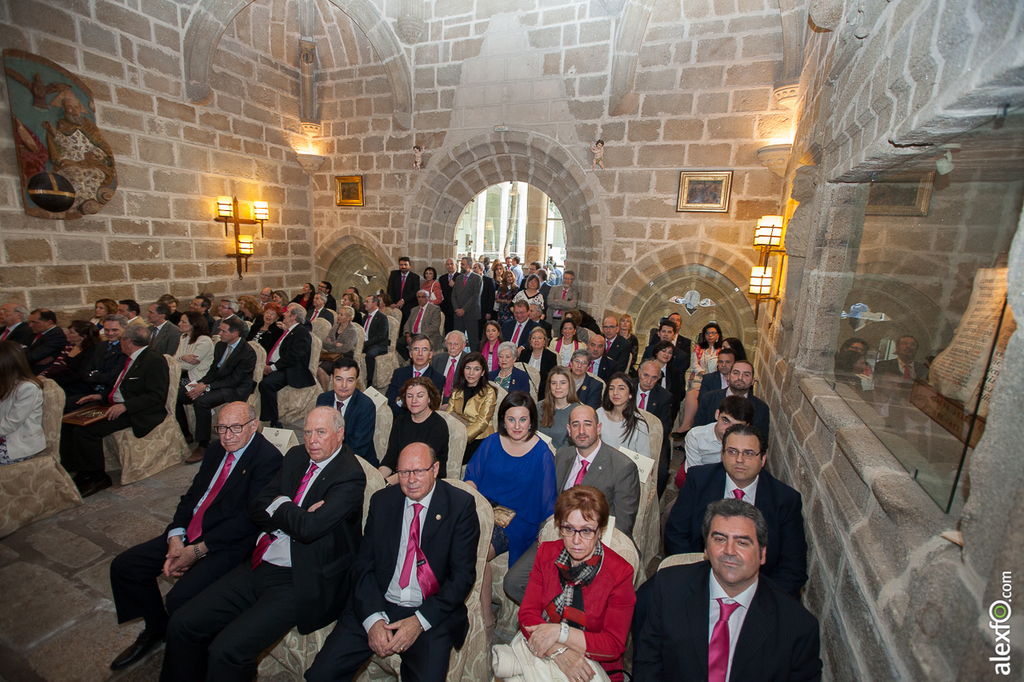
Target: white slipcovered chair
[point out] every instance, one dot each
(293, 404)
(457, 440)
(38, 487)
(321, 328)
(534, 378)
(360, 357)
(382, 431)
(295, 653)
(647, 527)
(387, 363)
(161, 448)
(680, 559)
(497, 403)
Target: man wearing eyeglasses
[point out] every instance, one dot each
(211, 531)
(298, 574)
(741, 383)
(415, 568)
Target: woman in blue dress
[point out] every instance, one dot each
(514, 468)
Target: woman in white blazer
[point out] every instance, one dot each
(21, 407)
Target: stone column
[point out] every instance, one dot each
(536, 226)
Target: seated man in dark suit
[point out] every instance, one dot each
(726, 620)
(325, 287)
(410, 587)
(537, 316)
(377, 341)
(298, 575)
(164, 335)
(616, 348)
(48, 342)
(106, 362)
(600, 366)
(741, 475)
(15, 319)
(518, 330)
(668, 331)
(201, 304)
(903, 367)
(229, 379)
(287, 363)
(589, 389)
(716, 381)
(137, 399)
(211, 523)
(359, 410)
(741, 381)
(589, 461)
(652, 397)
(420, 353)
(446, 364)
(320, 311)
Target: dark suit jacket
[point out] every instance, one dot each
(236, 372)
(548, 360)
(49, 345)
(21, 334)
(378, 334)
(226, 523)
(448, 539)
(406, 296)
(403, 374)
(446, 295)
(710, 401)
(107, 361)
(606, 369)
(440, 363)
(683, 347)
(487, 295)
(786, 560)
(520, 380)
(324, 314)
(324, 543)
(331, 303)
(779, 641)
(210, 322)
(509, 328)
(892, 368)
(659, 403)
(360, 423)
(590, 392)
(144, 390)
(294, 361)
(466, 295)
(613, 474)
(167, 339)
(619, 353)
(712, 381)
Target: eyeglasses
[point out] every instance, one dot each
(234, 428)
(741, 454)
(568, 531)
(415, 473)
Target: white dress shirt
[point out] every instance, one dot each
(118, 398)
(702, 446)
(238, 455)
(578, 464)
(411, 595)
(735, 620)
(749, 493)
(276, 355)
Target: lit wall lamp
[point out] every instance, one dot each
(227, 213)
(768, 240)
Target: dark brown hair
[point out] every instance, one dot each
(13, 368)
(199, 326)
(433, 395)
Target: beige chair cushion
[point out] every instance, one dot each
(457, 440)
(161, 448)
(293, 404)
(38, 487)
(382, 432)
(253, 399)
(497, 402)
(647, 527)
(387, 364)
(321, 328)
(681, 559)
(534, 378)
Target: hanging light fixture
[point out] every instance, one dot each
(769, 231)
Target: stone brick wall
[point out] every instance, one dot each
(896, 600)
(173, 158)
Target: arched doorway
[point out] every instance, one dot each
(359, 267)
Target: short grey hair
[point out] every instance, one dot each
(509, 346)
(117, 317)
(138, 334)
(731, 508)
(298, 311)
(231, 303)
(337, 418)
(580, 353)
(21, 310)
(460, 335)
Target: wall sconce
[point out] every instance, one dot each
(760, 281)
(227, 213)
(767, 239)
(769, 231)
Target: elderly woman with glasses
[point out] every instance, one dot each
(579, 601)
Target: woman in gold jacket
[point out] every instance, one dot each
(472, 401)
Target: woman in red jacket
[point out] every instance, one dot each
(579, 601)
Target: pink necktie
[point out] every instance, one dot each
(267, 539)
(582, 472)
(591, 370)
(4, 335)
(450, 378)
(416, 324)
(608, 344)
(906, 373)
(738, 494)
(515, 337)
(315, 313)
(366, 325)
(119, 380)
(195, 526)
(274, 349)
(401, 289)
(414, 555)
(718, 649)
(643, 401)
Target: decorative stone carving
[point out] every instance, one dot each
(311, 163)
(774, 157)
(786, 93)
(307, 83)
(411, 26)
(826, 14)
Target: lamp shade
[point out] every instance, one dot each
(245, 245)
(760, 281)
(224, 207)
(260, 210)
(769, 231)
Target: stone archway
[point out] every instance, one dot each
(458, 174)
(210, 18)
(339, 260)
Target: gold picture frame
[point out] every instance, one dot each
(907, 193)
(348, 190)
(704, 191)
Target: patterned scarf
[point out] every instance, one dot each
(569, 603)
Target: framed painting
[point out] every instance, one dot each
(704, 191)
(348, 190)
(901, 194)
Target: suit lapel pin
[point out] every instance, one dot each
(243, 472)
(438, 517)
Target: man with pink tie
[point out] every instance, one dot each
(424, 319)
(287, 363)
(415, 568)
(402, 287)
(447, 364)
(298, 574)
(376, 338)
(211, 531)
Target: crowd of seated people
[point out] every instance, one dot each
(261, 544)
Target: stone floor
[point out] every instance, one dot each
(57, 620)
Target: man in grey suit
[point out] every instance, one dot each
(588, 462)
(562, 298)
(165, 336)
(424, 319)
(466, 302)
